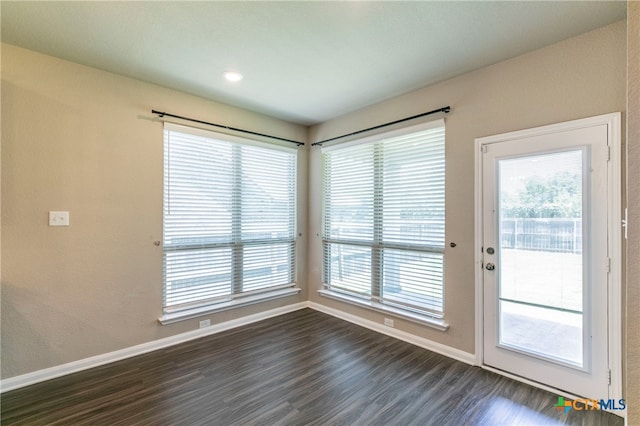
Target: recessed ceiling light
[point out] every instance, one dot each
(233, 76)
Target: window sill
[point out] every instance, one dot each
(437, 323)
(225, 306)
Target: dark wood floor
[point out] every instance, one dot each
(303, 368)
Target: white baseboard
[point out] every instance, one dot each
(448, 351)
(98, 360)
(23, 380)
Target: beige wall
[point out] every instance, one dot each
(83, 140)
(78, 139)
(579, 77)
(633, 196)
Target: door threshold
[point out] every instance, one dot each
(545, 387)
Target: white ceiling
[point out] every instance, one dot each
(305, 62)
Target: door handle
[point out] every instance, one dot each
(490, 266)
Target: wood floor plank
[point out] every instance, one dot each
(302, 368)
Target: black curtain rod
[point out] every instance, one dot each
(162, 114)
(435, 111)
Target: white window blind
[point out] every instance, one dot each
(229, 218)
(383, 212)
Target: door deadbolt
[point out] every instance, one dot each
(490, 266)
(490, 250)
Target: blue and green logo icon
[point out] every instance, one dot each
(563, 405)
(581, 404)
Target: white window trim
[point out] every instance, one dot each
(385, 135)
(240, 299)
(437, 323)
(228, 137)
(186, 314)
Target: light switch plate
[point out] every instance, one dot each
(58, 218)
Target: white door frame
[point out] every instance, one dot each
(614, 190)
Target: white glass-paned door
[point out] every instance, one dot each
(545, 257)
